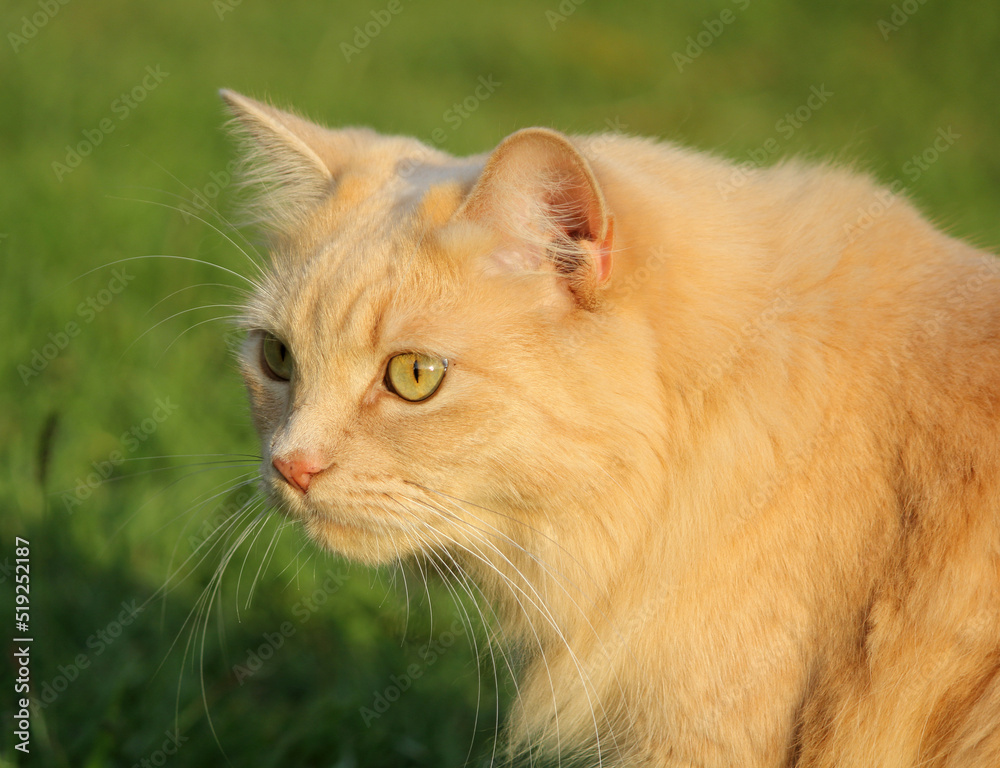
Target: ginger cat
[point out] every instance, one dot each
(723, 459)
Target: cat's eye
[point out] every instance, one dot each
(276, 358)
(414, 376)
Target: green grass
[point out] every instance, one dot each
(603, 65)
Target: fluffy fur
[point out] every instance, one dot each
(723, 456)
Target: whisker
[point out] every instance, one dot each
(167, 319)
(399, 568)
(253, 456)
(241, 291)
(305, 546)
(465, 504)
(210, 208)
(546, 614)
(244, 513)
(515, 591)
(231, 318)
(254, 285)
(206, 465)
(213, 591)
(239, 578)
(539, 605)
(211, 541)
(432, 557)
(162, 491)
(467, 584)
(557, 576)
(243, 481)
(473, 645)
(266, 560)
(204, 221)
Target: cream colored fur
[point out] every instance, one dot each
(725, 459)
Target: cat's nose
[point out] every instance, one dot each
(298, 470)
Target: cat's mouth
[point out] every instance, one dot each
(361, 523)
(351, 511)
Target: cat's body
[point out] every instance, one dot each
(725, 457)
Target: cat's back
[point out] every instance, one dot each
(857, 267)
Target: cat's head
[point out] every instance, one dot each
(433, 359)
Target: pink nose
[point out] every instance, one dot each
(298, 470)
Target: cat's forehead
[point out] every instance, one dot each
(340, 287)
(378, 262)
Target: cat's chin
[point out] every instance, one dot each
(355, 542)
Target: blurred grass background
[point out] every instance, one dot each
(577, 67)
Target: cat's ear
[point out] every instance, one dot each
(286, 161)
(540, 194)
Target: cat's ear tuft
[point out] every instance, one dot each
(542, 197)
(283, 163)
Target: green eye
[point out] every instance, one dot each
(414, 376)
(276, 359)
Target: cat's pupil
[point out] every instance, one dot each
(416, 370)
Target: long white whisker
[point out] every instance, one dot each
(210, 208)
(194, 615)
(204, 221)
(459, 574)
(162, 491)
(294, 559)
(166, 256)
(517, 592)
(239, 577)
(473, 642)
(242, 292)
(214, 539)
(213, 592)
(227, 488)
(467, 584)
(550, 619)
(465, 506)
(557, 577)
(253, 456)
(185, 311)
(398, 567)
(230, 318)
(203, 466)
(266, 560)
